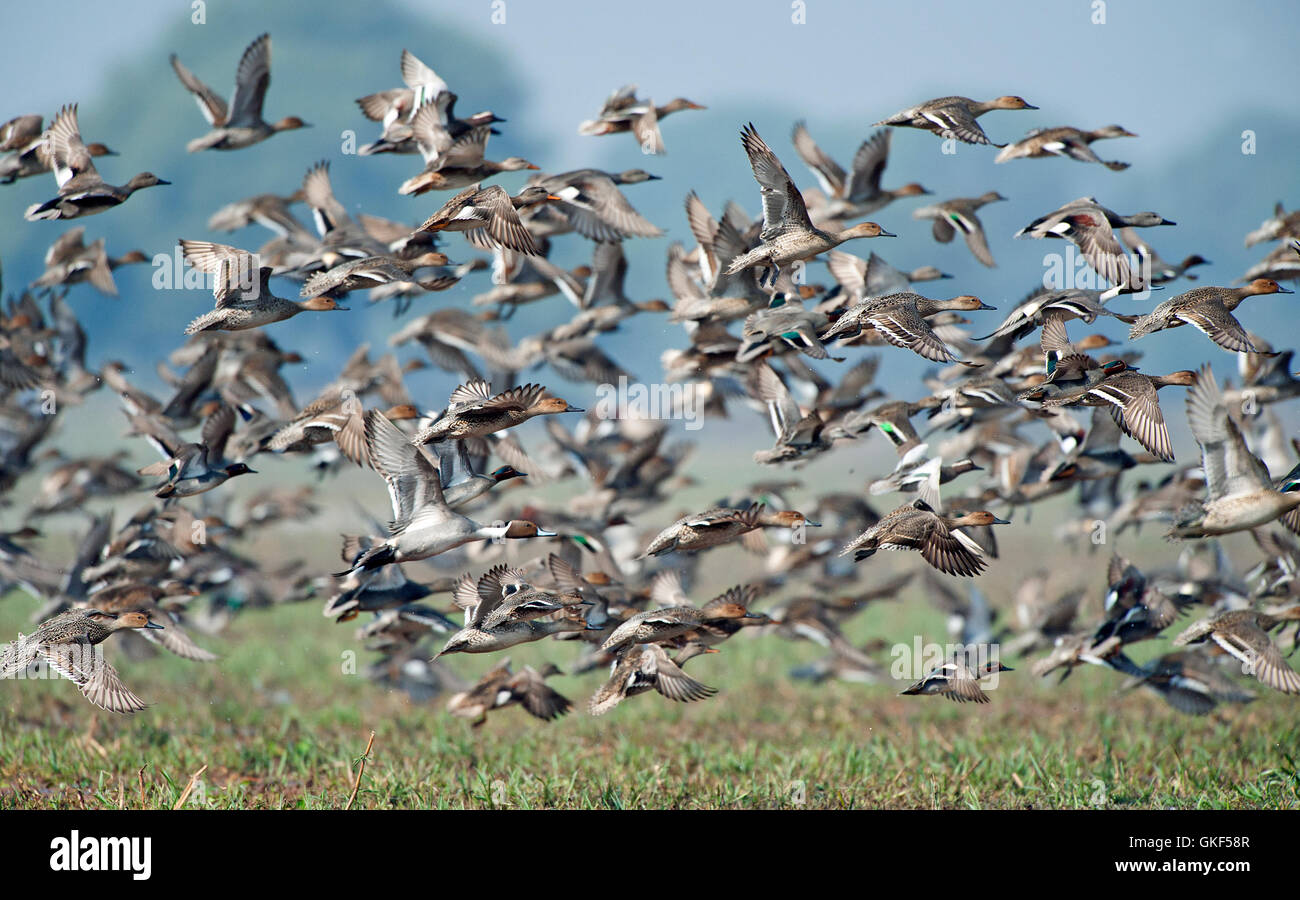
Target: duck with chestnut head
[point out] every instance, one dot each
(788, 235)
(66, 644)
(240, 123)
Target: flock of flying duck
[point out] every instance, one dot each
(1065, 413)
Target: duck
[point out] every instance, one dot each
(1239, 495)
(1282, 263)
(645, 667)
(336, 415)
(500, 687)
(453, 163)
(911, 472)
(240, 124)
(341, 235)
(788, 235)
(1067, 369)
(190, 473)
(82, 192)
(717, 526)
(1136, 609)
(479, 601)
(860, 278)
(516, 600)
(22, 138)
(1132, 399)
(959, 213)
(474, 411)
(850, 195)
(1209, 310)
(1075, 648)
(395, 108)
(1163, 272)
(660, 625)
(591, 204)
(624, 111)
(490, 209)
(1282, 225)
(196, 468)
(128, 596)
(1065, 141)
(242, 304)
(1042, 304)
(1091, 227)
(65, 643)
(369, 272)
(70, 260)
(1189, 681)
(1243, 633)
(797, 435)
(953, 117)
(901, 320)
(916, 526)
(423, 524)
(381, 590)
(783, 322)
(461, 484)
(957, 681)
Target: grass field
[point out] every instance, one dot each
(278, 725)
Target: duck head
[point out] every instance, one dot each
(129, 620)
(401, 411)
(1266, 286)
(322, 304)
(515, 163)
(289, 123)
(522, 528)
(1011, 101)
(553, 405)
(866, 230)
(679, 103)
(144, 180)
(636, 176)
(982, 517)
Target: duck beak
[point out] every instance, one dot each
(811, 524)
(153, 625)
(542, 532)
(884, 233)
(1282, 290)
(997, 521)
(160, 181)
(575, 409)
(650, 177)
(1028, 106)
(1168, 222)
